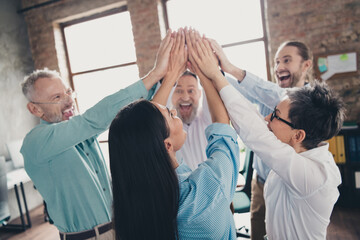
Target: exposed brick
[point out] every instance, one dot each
(327, 27)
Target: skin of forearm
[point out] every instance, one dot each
(220, 82)
(150, 79)
(163, 93)
(216, 106)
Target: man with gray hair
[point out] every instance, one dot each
(62, 155)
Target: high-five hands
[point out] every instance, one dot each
(186, 48)
(163, 55)
(178, 56)
(201, 55)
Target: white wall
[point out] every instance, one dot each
(15, 63)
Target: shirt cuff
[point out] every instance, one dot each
(137, 90)
(251, 81)
(220, 129)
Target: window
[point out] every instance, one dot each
(101, 56)
(234, 24)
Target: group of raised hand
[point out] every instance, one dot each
(185, 48)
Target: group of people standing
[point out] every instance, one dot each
(174, 172)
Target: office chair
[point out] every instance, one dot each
(242, 198)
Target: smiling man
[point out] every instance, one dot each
(195, 116)
(186, 96)
(62, 155)
(293, 64)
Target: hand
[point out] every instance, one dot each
(225, 64)
(163, 55)
(191, 64)
(202, 56)
(178, 57)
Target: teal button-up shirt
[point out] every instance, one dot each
(67, 167)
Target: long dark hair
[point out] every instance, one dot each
(145, 185)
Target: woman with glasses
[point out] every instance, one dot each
(301, 189)
(154, 196)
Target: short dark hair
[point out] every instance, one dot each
(145, 185)
(305, 53)
(318, 111)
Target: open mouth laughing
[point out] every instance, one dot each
(68, 113)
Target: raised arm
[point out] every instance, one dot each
(264, 93)
(225, 64)
(161, 63)
(176, 67)
(205, 65)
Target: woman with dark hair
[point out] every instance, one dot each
(154, 196)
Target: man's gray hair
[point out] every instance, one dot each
(28, 84)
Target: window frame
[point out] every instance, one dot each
(85, 19)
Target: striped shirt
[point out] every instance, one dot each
(206, 193)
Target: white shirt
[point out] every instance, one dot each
(266, 95)
(301, 189)
(192, 153)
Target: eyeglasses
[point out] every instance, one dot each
(61, 98)
(273, 115)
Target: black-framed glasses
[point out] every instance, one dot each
(273, 115)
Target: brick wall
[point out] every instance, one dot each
(328, 27)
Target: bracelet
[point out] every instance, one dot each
(244, 75)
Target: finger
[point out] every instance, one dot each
(208, 47)
(192, 38)
(188, 39)
(178, 40)
(174, 37)
(197, 35)
(194, 56)
(169, 47)
(216, 47)
(182, 40)
(186, 53)
(166, 40)
(194, 42)
(201, 49)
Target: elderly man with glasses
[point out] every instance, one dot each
(62, 155)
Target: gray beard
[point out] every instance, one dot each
(189, 119)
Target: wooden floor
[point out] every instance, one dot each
(40, 229)
(344, 225)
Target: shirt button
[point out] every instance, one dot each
(104, 189)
